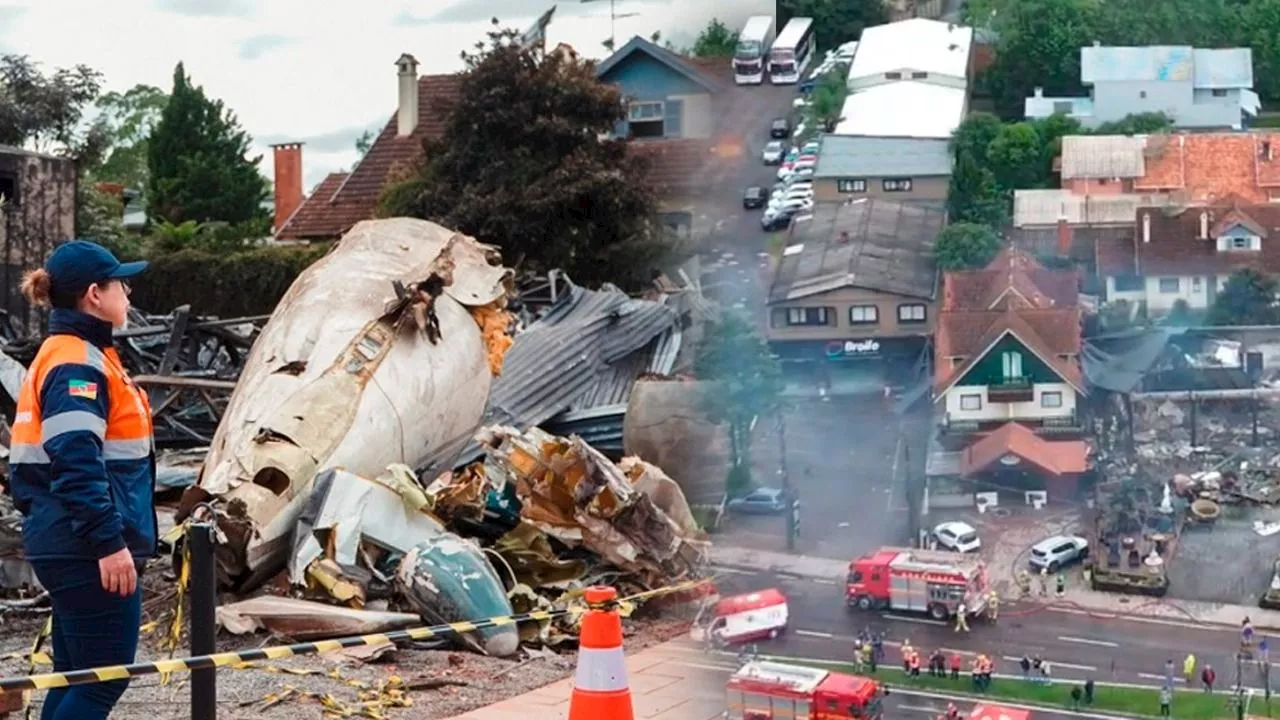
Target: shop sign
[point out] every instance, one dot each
(869, 347)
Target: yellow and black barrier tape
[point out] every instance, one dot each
(90, 676)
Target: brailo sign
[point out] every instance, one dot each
(869, 347)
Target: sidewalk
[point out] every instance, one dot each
(1078, 599)
(664, 686)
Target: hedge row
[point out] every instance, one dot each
(250, 282)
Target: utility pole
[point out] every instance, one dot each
(789, 495)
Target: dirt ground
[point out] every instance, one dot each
(443, 683)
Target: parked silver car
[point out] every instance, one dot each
(1057, 552)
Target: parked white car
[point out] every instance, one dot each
(1056, 552)
(801, 194)
(957, 536)
(773, 152)
(810, 148)
(790, 206)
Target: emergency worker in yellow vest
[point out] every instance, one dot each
(83, 471)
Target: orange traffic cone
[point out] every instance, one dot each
(600, 690)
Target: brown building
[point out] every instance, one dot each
(897, 169)
(37, 211)
(856, 282)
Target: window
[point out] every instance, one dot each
(1129, 283)
(9, 190)
(864, 314)
(1142, 94)
(911, 313)
(1063, 107)
(919, 75)
(1239, 243)
(851, 186)
(809, 316)
(1219, 92)
(646, 119)
(1051, 400)
(893, 76)
(897, 184)
(1197, 284)
(971, 402)
(1012, 361)
(1169, 285)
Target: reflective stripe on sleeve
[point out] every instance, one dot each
(126, 449)
(601, 670)
(27, 454)
(71, 421)
(94, 358)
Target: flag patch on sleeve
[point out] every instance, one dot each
(82, 389)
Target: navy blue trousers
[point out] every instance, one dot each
(91, 628)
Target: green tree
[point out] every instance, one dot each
(1248, 298)
(100, 217)
(974, 135)
(198, 159)
(1137, 124)
(128, 120)
(1039, 46)
(715, 40)
(744, 379)
(43, 111)
(834, 21)
(525, 163)
(974, 196)
(825, 109)
(1260, 30)
(965, 246)
(364, 142)
(1015, 157)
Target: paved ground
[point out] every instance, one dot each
(1078, 644)
(840, 456)
(1227, 562)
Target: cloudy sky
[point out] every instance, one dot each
(318, 71)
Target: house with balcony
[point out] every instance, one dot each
(1198, 88)
(1007, 379)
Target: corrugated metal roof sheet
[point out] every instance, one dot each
(585, 352)
(1224, 68)
(1103, 63)
(1103, 156)
(1045, 207)
(862, 157)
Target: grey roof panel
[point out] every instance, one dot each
(889, 248)
(845, 156)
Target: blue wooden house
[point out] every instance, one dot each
(667, 97)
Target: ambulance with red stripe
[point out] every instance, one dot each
(763, 690)
(736, 619)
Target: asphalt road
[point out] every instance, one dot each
(1078, 646)
(901, 704)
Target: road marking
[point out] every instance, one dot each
(918, 708)
(1150, 676)
(922, 621)
(1087, 641)
(701, 666)
(814, 633)
(824, 582)
(1057, 664)
(734, 571)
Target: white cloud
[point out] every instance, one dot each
(318, 72)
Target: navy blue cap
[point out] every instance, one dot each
(75, 265)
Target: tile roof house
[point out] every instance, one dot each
(1006, 346)
(1187, 253)
(344, 199)
(1196, 87)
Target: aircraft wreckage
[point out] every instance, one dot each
(380, 357)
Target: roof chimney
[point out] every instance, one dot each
(1204, 225)
(1039, 92)
(1064, 237)
(844, 236)
(407, 114)
(1146, 227)
(288, 181)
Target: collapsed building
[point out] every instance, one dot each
(406, 442)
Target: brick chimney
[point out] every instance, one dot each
(407, 110)
(288, 181)
(1064, 237)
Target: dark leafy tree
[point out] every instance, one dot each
(44, 111)
(1136, 124)
(524, 164)
(823, 113)
(1039, 46)
(128, 120)
(1260, 30)
(198, 159)
(745, 380)
(715, 40)
(834, 21)
(1248, 298)
(965, 246)
(974, 196)
(1015, 156)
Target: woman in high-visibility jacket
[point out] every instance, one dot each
(82, 472)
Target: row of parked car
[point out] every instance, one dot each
(792, 196)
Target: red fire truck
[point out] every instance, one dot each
(771, 691)
(929, 581)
